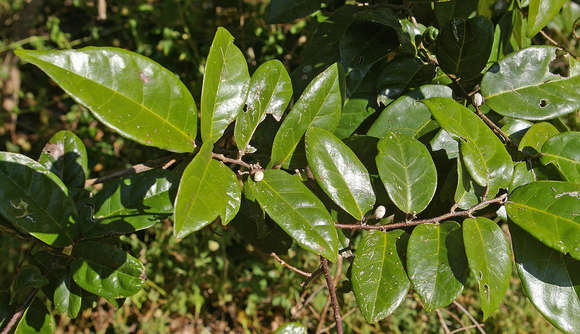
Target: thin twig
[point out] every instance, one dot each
(315, 275)
(285, 264)
(494, 127)
(331, 290)
(322, 317)
(223, 158)
(465, 329)
(454, 316)
(477, 325)
(467, 213)
(549, 39)
(327, 329)
(442, 321)
(164, 163)
(19, 312)
(307, 301)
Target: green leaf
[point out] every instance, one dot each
(549, 279)
(436, 263)
(467, 192)
(490, 261)
(563, 151)
(269, 93)
(541, 12)
(522, 86)
(522, 175)
(444, 141)
(339, 172)
(133, 203)
(66, 156)
(355, 111)
(208, 189)
(298, 212)
(282, 11)
(407, 115)
(485, 157)
(291, 328)
(407, 171)
(36, 201)
(68, 297)
(319, 106)
(225, 86)
(548, 211)
(129, 93)
(36, 319)
(29, 277)
(463, 46)
(379, 280)
(402, 73)
(106, 271)
(536, 136)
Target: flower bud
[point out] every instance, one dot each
(258, 176)
(477, 99)
(380, 212)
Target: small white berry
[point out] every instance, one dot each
(477, 99)
(258, 176)
(380, 212)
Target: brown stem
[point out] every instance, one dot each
(477, 325)
(164, 163)
(327, 329)
(467, 213)
(464, 328)
(312, 277)
(331, 290)
(240, 162)
(285, 264)
(19, 312)
(454, 316)
(494, 127)
(442, 321)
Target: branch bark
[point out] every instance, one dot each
(332, 292)
(19, 312)
(467, 213)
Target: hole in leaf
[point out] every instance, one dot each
(543, 103)
(245, 108)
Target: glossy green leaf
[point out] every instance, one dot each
(490, 261)
(407, 171)
(68, 297)
(548, 210)
(401, 74)
(282, 11)
(319, 106)
(225, 86)
(522, 175)
(522, 86)
(66, 156)
(339, 172)
(36, 320)
(379, 280)
(129, 93)
(133, 203)
(298, 212)
(436, 263)
(463, 46)
(35, 200)
(519, 38)
(444, 141)
(292, 328)
(540, 13)
(563, 151)
(269, 92)
(467, 192)
(536, 136)
(106, 271)
(208, 189)
(485, 157)
(515, 128)
(550, 280)
(355, 111)
(407, 115)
